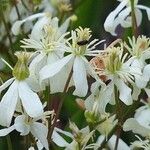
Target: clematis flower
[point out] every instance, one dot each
(139, 50)
(25, 124)
(79, 49)
(18, 93)
(140, 124)
(49, 42)
(122, 15)
(115, 72)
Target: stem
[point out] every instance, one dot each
(17, 10)
(60, 105)
(6, 27)
(119, 114)
(9, 143)
(134, 22)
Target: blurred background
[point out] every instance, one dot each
(90, 13)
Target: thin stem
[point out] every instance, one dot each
(134, 22)
(9, 143)
(17, 11)
(60, 105)
(6, 27)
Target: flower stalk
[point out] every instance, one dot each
(134, 22)
(60, 106)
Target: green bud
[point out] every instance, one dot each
(21, 70)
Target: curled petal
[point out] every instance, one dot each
(17, 25)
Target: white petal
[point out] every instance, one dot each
(105, 97)
(145, 8)
(121, 144)
(21, 125)
(146, 72)
(52, 69)
(111, 21)
(6, 84)
(30, 100)
(8, 104)
(4, 132)
(59, 140)
(40, 131)
(63, 28)
(124, 92)
(138, 14)
(132, 124)
(16, 26)
(57, 82)
(37, 30)
(80, 77)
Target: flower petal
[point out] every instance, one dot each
(6, 84)
(21, 126)
(111, 22)
(30, 100)
(80, 77)
(16, 26)
(8, 104)
(52, 69)
(124, 92)
(4, 132)
(132, 124)
(145, 8)
(40, 131)
(59, 140)
(121, 144)
(36, 33)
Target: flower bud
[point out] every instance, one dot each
(21, 70)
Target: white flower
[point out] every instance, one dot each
(121, 15)
(24, 124)
(48, 39)
(19, 93)
(76, 60)
(117, 72)
(139, 50)
(140, 124)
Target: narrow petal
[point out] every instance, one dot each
(6, 84)
(6, 131)
(124, 92)
(63, 28)
(17, 25)
(52, 69)
(30, 100)
(40, 131)
(138, 15)
(8, 104)
(80, 77)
